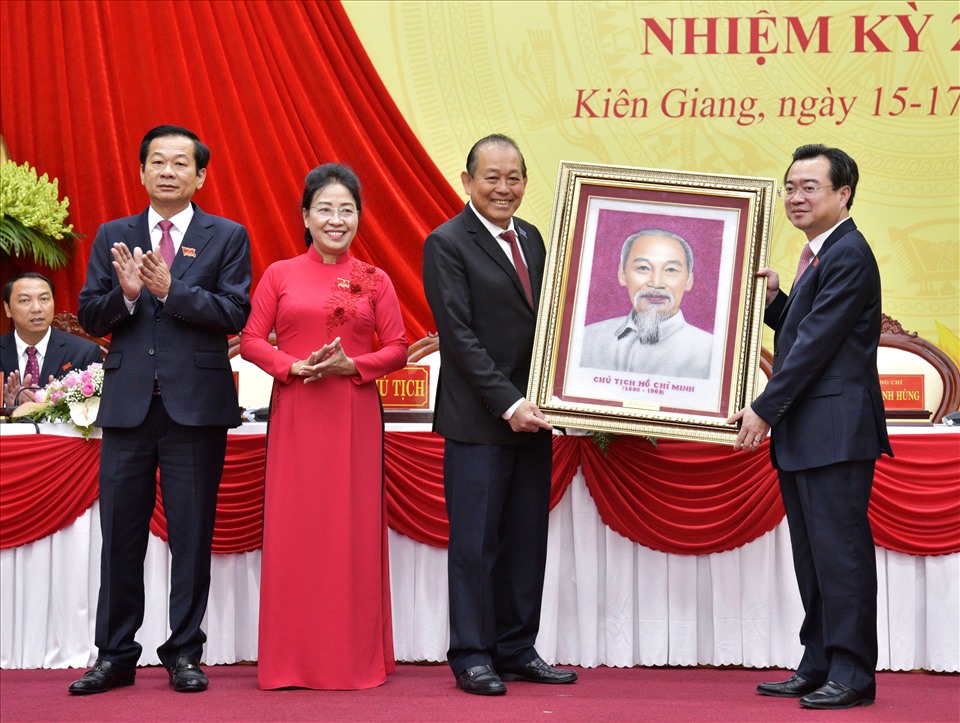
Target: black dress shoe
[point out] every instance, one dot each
(833, 696)
(792, 687)
(481, 680)
(537, 671)
(187, 676)
(103, 676)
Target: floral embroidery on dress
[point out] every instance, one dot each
(347, 293)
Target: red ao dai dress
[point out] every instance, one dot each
(325, 620)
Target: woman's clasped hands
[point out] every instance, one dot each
(328, 360)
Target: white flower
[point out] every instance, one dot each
(84, 413)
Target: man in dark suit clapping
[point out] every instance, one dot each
(169, 284)
(482, 273)
(824, 406)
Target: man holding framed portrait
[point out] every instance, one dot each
(482, 276)
(824, 406)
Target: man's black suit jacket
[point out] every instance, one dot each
(182, 342)
(485, 325)
(823, 400)
(65, 353)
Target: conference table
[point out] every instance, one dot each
(660, 553)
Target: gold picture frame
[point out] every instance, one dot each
(587, 372)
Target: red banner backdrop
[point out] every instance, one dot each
(678, 497)
(274, 88)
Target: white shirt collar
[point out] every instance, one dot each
(180, 222)
(41, 346)
(494, 230)
(816, 243)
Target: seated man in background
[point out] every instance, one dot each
(34, 354)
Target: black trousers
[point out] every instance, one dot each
(836, 567)
(190, 462)
(498, 503)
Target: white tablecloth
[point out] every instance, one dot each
(607, 601)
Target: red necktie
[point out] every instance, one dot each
(806, 256)
(511, 238)
(33, 368)
(166, 243)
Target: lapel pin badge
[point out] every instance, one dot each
(188, 252)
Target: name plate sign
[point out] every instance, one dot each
(902, 391)
(407, 388)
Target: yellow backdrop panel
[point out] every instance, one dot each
(719, 87)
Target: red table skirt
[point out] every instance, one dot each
(678, 497)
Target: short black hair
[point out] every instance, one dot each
(326, 175)
(843, 169)
(494, 139)
(8, 287)
(201, 154)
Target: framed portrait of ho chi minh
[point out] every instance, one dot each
(650, 315)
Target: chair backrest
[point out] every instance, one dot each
(67, 321)
(254, 385)
(901, 355)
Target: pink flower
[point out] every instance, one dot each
(88, 389)
(86, 376)
(69, 381)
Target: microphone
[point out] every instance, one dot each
(32, 388)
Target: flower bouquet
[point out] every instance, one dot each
(75, 399)
(32, 218)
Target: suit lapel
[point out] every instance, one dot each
(492, 248)
(54, 356)
(839, 232)
(532, 253)
(8, 353)
(137, 234)
(198, 235)
(481, 236)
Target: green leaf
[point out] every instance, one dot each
(18, 240)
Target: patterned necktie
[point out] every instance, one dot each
(166, 243)
(805, 257)
(511, 238)
(33, 367)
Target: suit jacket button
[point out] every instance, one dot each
(157, 317)
(151, 352)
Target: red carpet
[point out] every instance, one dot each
(427, 693)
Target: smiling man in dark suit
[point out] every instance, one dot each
(482, 273)
(169, 284)
(824, 406)
(28, 303)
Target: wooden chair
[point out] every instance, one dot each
(905, 352)
(67, 321)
